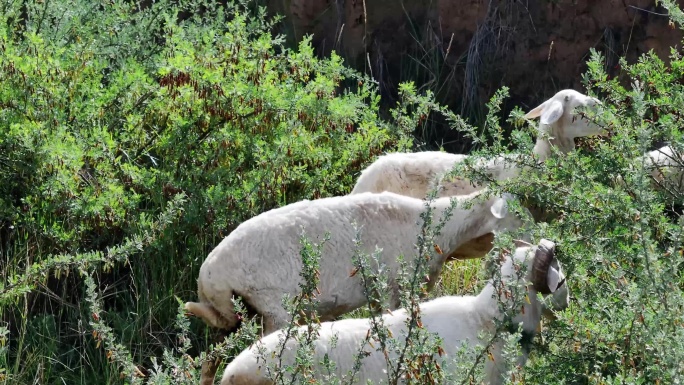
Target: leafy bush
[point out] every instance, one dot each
(619, 233)
(134, 140)
(622, 235)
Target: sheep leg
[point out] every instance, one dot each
(221, 315)
(275, 320)
(208, 372)
(213, 318)
(209, 367)
(394, 297)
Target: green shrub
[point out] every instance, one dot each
(134, 138)
(619, 234)
(133, 141)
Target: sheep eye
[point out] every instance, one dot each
(567, 98)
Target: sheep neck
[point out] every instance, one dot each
(487, 308)
(555, 138)
(463, 225)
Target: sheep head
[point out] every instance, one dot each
(545, 276)
(548, 278)
(559, 118)
(546, 272)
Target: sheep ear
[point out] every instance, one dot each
(553, 278)
(500, 207)
(536, 112)
(552, 112)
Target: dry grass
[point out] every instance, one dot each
(490, 43)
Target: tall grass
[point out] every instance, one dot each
(461, 278)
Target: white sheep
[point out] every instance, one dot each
(414, 174)
(457, 320)
(666, 166)
(260, 260)
(409, 174)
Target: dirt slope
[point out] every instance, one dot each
(534, 47)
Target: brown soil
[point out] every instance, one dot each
(534, 47)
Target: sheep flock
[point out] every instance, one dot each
(260, 261)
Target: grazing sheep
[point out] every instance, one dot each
(407, 174)
(666, 165)
(260, 260)
(413, 174)
(457, 320)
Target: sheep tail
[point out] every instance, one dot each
(222, 318)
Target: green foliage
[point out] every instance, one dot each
(134, 139)
(619, 232)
